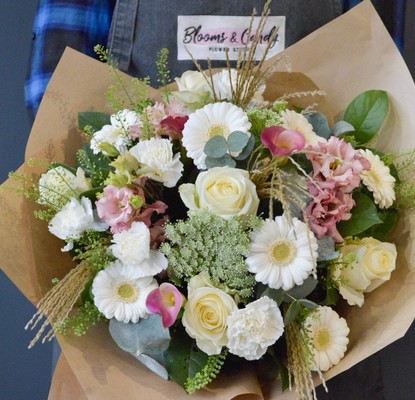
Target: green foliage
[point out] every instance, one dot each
(218, 246)
(319, 123)
(86, 315)
(364, 216)
(366, 113)
(162, 65)
(92, 121)
(261, 118)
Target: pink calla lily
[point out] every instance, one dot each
(281, 141)
(166, 300)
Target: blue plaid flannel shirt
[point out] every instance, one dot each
(80, 24)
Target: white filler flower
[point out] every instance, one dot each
(132, 247)
(378, 180)
(282, 253)
(121, 294)
(159, 162)
(253, 329)
(212, 120)
(328, 334)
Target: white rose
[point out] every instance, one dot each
(159, 162)
(74, 219)
(205, 315)
(253, 329)
(193, 89)
(58, 185)
(364, 265)
(225, 191)
(132, 248)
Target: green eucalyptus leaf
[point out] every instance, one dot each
(366, 113)
(308, 303)
(364, 216)
(216, 147)
(341, 127)
(319, 123)
(275, 294)
(237, 140)
(246, 152)
(301, 291)
(96, 120)
(226, 160)
(327, 249)
(292, 312)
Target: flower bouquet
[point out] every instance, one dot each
(229, 233)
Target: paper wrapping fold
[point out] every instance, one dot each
(347, 56)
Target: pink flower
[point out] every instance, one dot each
(156, 114)
(115, 208)
(176, 109)
(173, 126)
(337, 166)
(281, 141)
(167, 301)
(326, 210)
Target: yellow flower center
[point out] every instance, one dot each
(322, 339)
(218, 130)
(283, 252)
(126, 292)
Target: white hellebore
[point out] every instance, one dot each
(74, 219)
(282, 253)
(121, 294)
(158, 160)
(132, 248)
(124, 125)
(253, 329)
(328, 334)
(206, 314)
(58, 185)
(224, 191)
(364, 265)
(212, 120)
(378, 180)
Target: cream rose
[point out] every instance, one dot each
(225, 191)
(193, 90)
(364, 265)
(206, 314)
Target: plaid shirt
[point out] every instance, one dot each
(80, 24)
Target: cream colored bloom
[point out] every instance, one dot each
(193, 90)
(363, 266)
(224, 191)
(328, 333)
(206, 314)
(378, 180)
(297, 122)
(121, 294)
(251, 330)
(282, 253)
(212, 120)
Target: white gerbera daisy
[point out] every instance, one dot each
(119, 293)
(282, 254)
(297, 122)
(212, 120)
(328, 334)
(378, 180)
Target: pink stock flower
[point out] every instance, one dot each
(326, 210)
(281, 141)
(115, 208)
(337, 165)
(176, 109)
(166, 300)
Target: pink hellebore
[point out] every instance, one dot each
(281, 141)
(167, 301)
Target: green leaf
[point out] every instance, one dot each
(326, 249)
(364, 216)
(183, 359)
(215, 147)
(226, 160)
(275, 294)
(319, 123)
(341, 127)
(367, 113)
(302, 291)
(292, 312)
(96, 120)
(92, 194)
(308, 303)
(247, 150)
(383, 231)
(237, 140)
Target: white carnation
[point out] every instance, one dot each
(132, 247)
(158, 160)
(253, 329)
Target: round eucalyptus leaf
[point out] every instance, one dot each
(215, 147)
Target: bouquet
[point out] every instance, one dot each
(224, 224)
